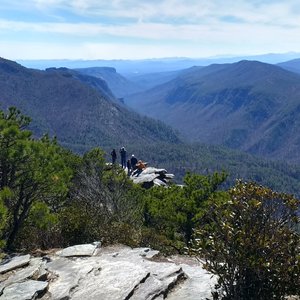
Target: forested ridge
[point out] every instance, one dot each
(79, 109)
(82, 113)
(51, 197)
(247, 105)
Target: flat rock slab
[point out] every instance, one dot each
(114, 273)
(127, 253)
(14, 263)
(79, 250)
(26, 290)
(198, 285)
(68, 274)
(33, 270)
(115, 280)
(162, 278)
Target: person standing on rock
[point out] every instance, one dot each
(123, 157)
(129, 169)
(133, 162)
(113, 156)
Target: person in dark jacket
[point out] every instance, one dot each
(133, 161)
(113, 156)
(123, 157)
(129, 167)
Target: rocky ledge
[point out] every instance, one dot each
(151, 176)
(109, 273)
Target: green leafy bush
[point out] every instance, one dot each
(251, 244)
(174, 212)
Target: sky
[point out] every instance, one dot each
(138, 29)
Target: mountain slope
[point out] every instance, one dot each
(291, 65)
(247, 105)
(118, 84)
(150, 80)
(73, 108)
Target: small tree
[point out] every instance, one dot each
(251, 244)
(30, 171)
(174, 211)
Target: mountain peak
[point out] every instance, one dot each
(10, 66)
(249, 64)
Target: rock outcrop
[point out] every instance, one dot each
(150, 177)
(110, 273)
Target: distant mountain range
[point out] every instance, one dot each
(80, 110)
(248, 105)
(156, 65)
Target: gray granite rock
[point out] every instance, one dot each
(198, 285)
(80, 250)
(67, 274)
(163, 277)
(151, 176)
(14, 263)
(152, 170)
(142, 178)
(26, 290)
(159, 182)
(116, 280)
(112, 273)
(127, 253)
(169, 176)
(128, 274)
(32, 271)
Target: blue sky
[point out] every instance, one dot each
(135, 29)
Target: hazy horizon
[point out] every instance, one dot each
(214, 57)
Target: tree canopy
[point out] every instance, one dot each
(30, 171)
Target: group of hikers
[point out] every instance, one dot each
(131, 164)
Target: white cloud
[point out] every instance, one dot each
(189, 10)
(280, 12)
(158, 31)
(172, 27)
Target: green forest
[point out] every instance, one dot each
(246, 234)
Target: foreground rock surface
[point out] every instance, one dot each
(110, 273)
